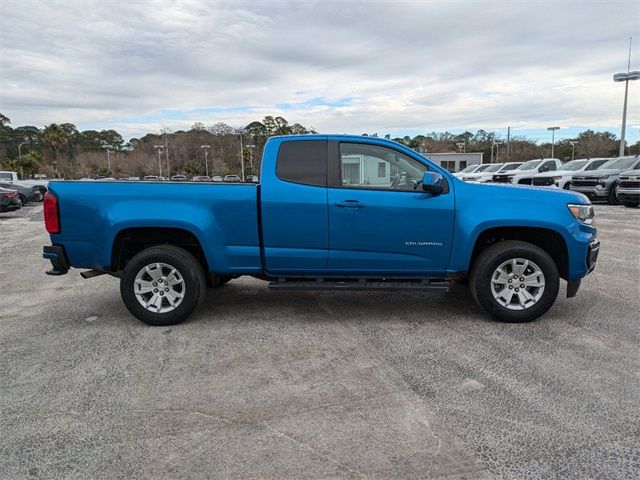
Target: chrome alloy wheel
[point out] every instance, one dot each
(517, 284)
(159, 287)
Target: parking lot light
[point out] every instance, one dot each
(553, 138)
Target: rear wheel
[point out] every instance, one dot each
(631, 204)
(23, 199)
(162, 285)
(514, 281)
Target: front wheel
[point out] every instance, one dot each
(612, 199)
(514, 281)
(162, 285)
(631, 204)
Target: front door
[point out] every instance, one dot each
(380, 219)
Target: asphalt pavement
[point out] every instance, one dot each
(282, 385)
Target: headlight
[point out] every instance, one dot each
(581, 212)
(557, 178)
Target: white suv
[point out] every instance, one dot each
(523, 175)
(472, 169)
(562, 178)
(487, 175)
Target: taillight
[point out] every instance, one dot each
(8, 194)
(51, 214)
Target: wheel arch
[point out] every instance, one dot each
(551, 241)
(130, 241)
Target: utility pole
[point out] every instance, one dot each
(573, 148)
(625, 77)
(241, 158)
(166, 131)
(206, 160)
(553, 138)
(108, 159)
(159, 149)
(508, 140)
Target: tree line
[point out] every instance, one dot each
(61, 150)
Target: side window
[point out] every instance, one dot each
(596, 164)
(376, 167)
(303, 161)
(548, 167)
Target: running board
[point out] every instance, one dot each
(362, 284)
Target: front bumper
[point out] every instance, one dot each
(628, 194)
(591, 192)
(55, 254)
(592, 255)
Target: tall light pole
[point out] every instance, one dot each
(573, 148)
(250, 147)
(159, 149)
(553, 138)
(206, 159)
(497, 145)
(166, 132)
(462, 146)
(241, 158)
(108, 158)
(625, 77)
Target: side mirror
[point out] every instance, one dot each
(432, 183)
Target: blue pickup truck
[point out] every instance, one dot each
(330, 212)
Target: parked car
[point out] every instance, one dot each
(628, 188)
(231, 178)
(303, 229)
(523, 175)
(216, 178)
(601, 183)
(179, 178)
(133, 179)
(201, 178)
(251, 179)
(468, 169)
(26, 194)
(150, 178)
(472, 177)
(487, 175)
(40, 183)
(9, 200)
(562, 178)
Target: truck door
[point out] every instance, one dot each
(295, 226)
(380, 219)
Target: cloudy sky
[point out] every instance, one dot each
(347, 67)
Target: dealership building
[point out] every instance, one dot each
(454, 162)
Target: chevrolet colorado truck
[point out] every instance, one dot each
(330, 212)
(601, 183)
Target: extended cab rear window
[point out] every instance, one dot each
(303, 161)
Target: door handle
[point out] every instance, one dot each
(349, 204)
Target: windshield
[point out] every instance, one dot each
(509, 166)
(530, 165)
(482, 168)
(468, 169)
(5, 176)
(493, 168)
(574, 165)
(620, 163)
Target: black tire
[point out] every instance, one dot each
(612, 199)
(23, 199)
(567, 186)
(189, 269)
(487, 263)
(631, 204)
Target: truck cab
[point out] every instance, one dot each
(329, 212)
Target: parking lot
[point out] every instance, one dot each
(263, 384)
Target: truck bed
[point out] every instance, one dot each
(94, 213)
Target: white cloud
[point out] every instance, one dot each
(412, 66)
